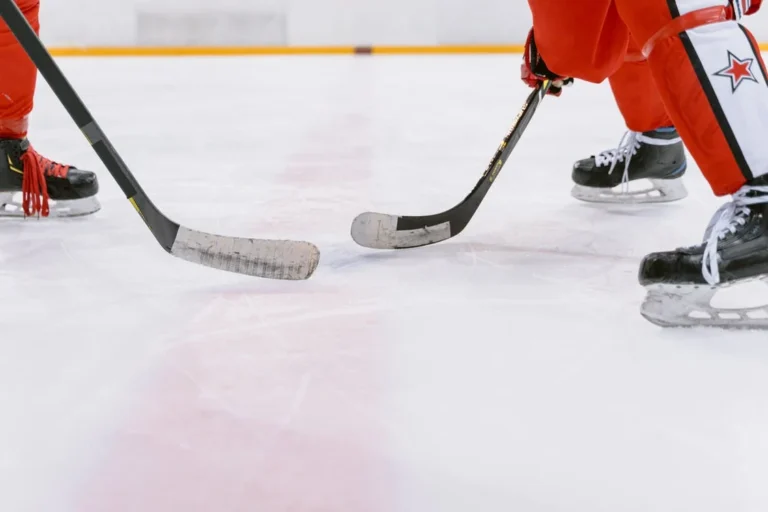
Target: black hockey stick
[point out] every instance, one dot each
(274, 259)
(383, 231)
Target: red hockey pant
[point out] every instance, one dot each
(710, 79)
(17, 76)
(636, 96)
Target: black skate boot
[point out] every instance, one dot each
(657, 156)
(37, 179)
(682, 283)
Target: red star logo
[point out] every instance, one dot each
(738, 71)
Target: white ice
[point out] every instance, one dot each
(505, 370)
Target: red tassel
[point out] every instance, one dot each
(34, 188)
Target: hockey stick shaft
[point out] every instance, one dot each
(506, 147)
(275, 259)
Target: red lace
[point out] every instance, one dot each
(34, 187)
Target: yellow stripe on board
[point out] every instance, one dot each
(218, 51)
(193, 51)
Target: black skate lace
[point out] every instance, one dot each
(727, 219)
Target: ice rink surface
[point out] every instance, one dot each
(505, 370)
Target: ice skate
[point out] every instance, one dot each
(681, 284)
(31, 184)
(655, 161)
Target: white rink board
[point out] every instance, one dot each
(293, 22)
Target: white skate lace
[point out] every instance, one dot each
(727, 219)
(628, 145)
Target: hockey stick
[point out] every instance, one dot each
(274, 259)
(383, 231)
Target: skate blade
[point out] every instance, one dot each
(668, 305)
(660, 191)
(11, 206)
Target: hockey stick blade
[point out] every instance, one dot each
(273, 259)
(385, 231)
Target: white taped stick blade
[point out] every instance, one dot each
(379, 231)
(271, 259)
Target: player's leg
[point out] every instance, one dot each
(714, 84)
(21, 167)
(583, 39)
(649, 162)
(589, 40)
